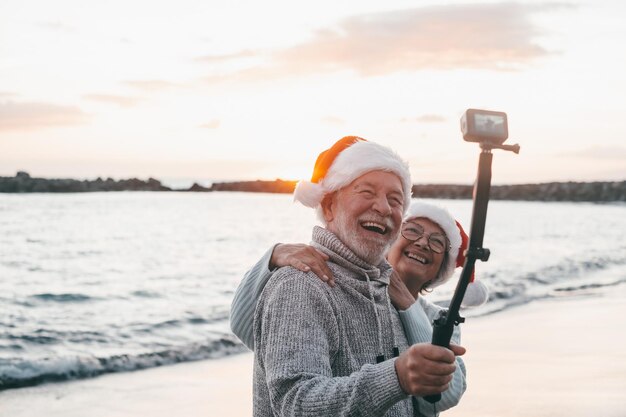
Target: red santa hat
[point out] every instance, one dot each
(345, 161)
(477, 293)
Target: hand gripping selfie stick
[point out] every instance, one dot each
(490, 130)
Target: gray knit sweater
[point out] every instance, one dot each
(416, 321)
(316, 346)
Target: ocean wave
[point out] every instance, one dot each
(155, 328)
(568, 276)
(16, 373)
(63, 297)
(566, 269)
(590, 286)
(37, 339)
(53, 337)
(146, 294)
(572, 267)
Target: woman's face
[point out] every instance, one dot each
(414, 261)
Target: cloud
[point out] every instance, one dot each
(34, 116)
(425, 118)
(8, 94)
(599, 152)
(213, 124)
(483, 36)
(57, 27)
(150, 85)
(226, 57)
(332, 120)
(121, 101)
(498, 36)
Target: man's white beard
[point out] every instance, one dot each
(349, 231)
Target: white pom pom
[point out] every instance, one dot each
(308, 193)
(476, 295)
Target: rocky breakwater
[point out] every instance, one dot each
(258, 186)
(614, 191)
(554, 191)
(24, 183)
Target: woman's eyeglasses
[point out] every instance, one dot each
(437, 242)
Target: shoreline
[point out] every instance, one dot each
(202, 388)
(560, 356)
(594, 191)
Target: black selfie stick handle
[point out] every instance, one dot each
(441, 337)
(443, 326)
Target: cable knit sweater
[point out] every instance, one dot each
(416, 321)
(316, 346)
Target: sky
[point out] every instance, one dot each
(221, 90)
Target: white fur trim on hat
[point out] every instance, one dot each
(447, 223)
(476, 294)
(309, 193)
(356, 160)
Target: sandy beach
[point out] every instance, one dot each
(558, 357)
(561, 357)
(206, 388)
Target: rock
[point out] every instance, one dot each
(198, 188)
(24, 183)
(553, 191)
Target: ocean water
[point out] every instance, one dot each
(111, 282)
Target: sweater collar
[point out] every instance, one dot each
(340, 254)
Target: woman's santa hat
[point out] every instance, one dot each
(477, 293)
(348, 159)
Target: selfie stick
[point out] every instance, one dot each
(443, 326)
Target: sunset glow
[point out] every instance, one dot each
(230, 90)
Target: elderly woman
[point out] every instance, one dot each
(425, 255)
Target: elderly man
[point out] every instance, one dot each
(323, 350)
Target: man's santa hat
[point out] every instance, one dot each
(477, 293)
(345, 161)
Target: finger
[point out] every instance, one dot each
(434, 381)
(439, 354)
(432, 353)
(320, 271)
(395, 277)
(457, 349)
(421, 388)
(324, 266)
(322, 254)
(439, 369)
(329, 274)
(299, 265)
(433, 368)
(433, 389)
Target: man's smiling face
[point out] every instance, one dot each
(366, 214)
